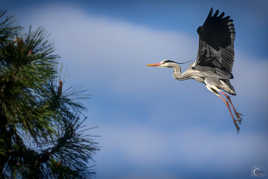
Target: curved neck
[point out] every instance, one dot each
(177, 72)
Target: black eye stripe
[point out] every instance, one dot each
(167, 61)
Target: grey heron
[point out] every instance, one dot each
(214, 62)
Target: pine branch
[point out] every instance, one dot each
(40, 122)
(7, 28)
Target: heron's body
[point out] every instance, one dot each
(206, 75)
(214, 62)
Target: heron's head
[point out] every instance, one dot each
(164, 63)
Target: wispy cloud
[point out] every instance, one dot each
(196, 148)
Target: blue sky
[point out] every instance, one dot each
(150, 125)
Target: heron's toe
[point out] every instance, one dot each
(239, 118)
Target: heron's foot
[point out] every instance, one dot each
(239, 118)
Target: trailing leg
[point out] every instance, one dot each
(238, 115)
(228, 106)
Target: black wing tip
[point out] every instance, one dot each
(210, 12)
(215, 14)
(218, 30)
(221, 16)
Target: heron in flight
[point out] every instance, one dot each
(214, 62)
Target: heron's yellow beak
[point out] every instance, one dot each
(154, 65)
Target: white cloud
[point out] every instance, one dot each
(144, 146)
(251, 76)
(103, 48)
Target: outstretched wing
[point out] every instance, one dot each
(216, 43)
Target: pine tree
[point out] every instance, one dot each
(41, 125)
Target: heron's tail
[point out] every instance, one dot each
(228, 87)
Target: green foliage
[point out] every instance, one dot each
(40, 124)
